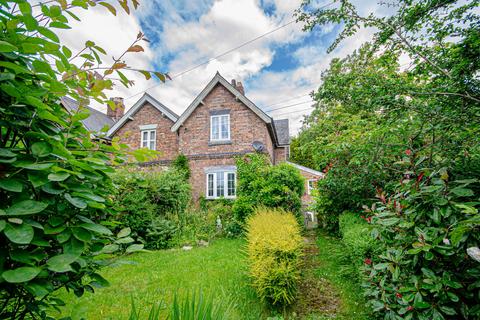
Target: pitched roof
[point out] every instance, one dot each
(144, 99)
(283, 131)
(95, 122)
(306, 169)
(219, 79)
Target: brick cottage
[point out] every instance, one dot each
(219, 125)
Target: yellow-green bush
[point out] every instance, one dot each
(274, 252)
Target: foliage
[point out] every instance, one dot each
(222, 209)
(428, 222)
(261, 184)
(54, 178)
(145, 199)
(423, 271)
(180, 163)
(274, 248)
(390, 108)
(199, 306)
(160, 233)
(356, 235)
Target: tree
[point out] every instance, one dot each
(53, 176)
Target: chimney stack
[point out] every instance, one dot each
(238, 85)
(119, 109)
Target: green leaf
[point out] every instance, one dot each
(26, 207)
(463, 192)
(59, 25)
(7, 47)
(96, 228)
(6, 153)
(82, 234)
(389, 221)
(21, 234)
(48, 33)
(41, 149)
(22, 274)
(134, 248)
(25, 7)
(11, 185)
(421, 305)
(32, 165)
(61, 263)
(59, 176)
(124, 232)
(3, 223)
(37, 178)
(77, 202)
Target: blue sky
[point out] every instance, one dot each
(279, 67)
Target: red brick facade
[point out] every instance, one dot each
(166, 140)
(192, 138)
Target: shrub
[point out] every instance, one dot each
(54, 178)
(160, 234)
(180, 163)
(274, 252)
(261, 184)
(426, 229)
(356, 235)
(144, 199)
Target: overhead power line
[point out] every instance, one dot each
(216, 57)
(290, 105)
(296, 111)
(223, 54)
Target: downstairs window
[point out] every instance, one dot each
(221, 184)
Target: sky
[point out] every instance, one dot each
(277, 71)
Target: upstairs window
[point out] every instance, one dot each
(221, 184)
(148, 139)
(220, 127)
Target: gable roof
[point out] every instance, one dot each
(306, 169)
(283, 131)
(95, 122)
(139, 104)
(219, 79)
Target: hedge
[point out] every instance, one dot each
(356, 235)
(274, 252)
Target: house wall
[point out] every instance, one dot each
(194, 136)
(308, 198)
(280, 155)
(245, 127)
(166, 140)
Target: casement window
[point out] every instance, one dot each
(311, 186)
(221, 184)
(220, 127)
(148, 139)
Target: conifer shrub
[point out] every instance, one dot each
(274, 251)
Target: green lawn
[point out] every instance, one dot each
(219, 269)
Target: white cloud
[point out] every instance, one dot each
(217, 28)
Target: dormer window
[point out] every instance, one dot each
(220, 127)
(148, 136)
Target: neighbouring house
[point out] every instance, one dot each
(220, 124)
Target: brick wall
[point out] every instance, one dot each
(280, 155)
(306, 198)
(166, 140)
(245, 126)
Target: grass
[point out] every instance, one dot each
(330, 263)
(219, 270)
(153, 278)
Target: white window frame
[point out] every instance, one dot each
(220, 116)
(148, 131)
(225, 185)
(309, 189)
